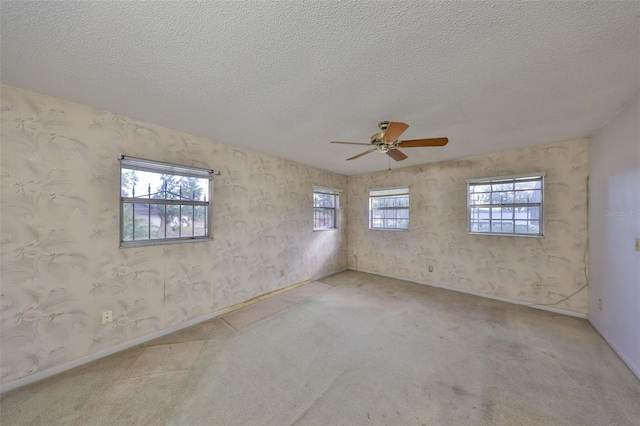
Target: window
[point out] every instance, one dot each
(163, 203)
(325, 205)
(389, 209)
(509, 205)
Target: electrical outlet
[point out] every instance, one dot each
(282, 272)
(600, 304)
(430, 268)
(537, 286)
(107, 317)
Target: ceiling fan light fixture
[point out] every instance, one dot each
(387, 141)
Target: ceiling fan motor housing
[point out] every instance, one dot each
(377, 138)
(387, 141)
(379, 142)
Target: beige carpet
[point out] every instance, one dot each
(372, 350)
(245, 317)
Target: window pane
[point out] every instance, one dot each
(157, 221)
(142, 184)
(199, 221)
(186, 221)
(522, 226)
(502, 186)
(141, 221)
(386, 202)
(502, 198)
(496, 213)
(324, 218)
(403, 223)
(127, 222)
(496, 226)
(536, 196)
(527, 185)
(481, 188)
(323, 200)
(480, 198)
(127, 182)
(524, 197)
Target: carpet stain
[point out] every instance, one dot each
(548, 353)
(460, 391)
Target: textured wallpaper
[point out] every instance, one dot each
(61, 265)
(496, 265)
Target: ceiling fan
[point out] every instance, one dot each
(387, 141)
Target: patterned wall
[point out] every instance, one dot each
(495, 265)
(61, 265)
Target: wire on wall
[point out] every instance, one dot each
(586, 275)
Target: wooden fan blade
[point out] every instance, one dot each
(394, 131)
(396, 155)
(352, 143)
(416, 143)
(360, 155)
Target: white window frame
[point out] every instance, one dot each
(388, 192)
(336, 202)
(540, 176)
(132, 163)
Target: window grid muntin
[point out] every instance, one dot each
(390, 194)
(318, 210)
(491, 182)
(129, 164)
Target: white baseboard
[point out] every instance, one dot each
(140, 340)
(486, 295)
(634, 368)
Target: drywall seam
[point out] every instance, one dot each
(628, 361)
(32, 378)
(485, 295)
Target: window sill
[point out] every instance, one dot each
(148, 243)
(325, 229)
(498, 234)
(388, 229)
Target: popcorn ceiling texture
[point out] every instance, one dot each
(286, 78)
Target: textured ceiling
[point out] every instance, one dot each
(288, 77)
